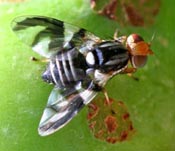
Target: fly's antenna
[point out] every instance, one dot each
(152, 38)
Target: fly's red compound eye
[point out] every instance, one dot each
(138, 49)
(138, 61)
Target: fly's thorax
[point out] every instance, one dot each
(108, 56)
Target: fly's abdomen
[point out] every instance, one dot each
(66, 69)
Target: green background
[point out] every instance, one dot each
(23, 95)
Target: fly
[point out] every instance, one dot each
(79, 64)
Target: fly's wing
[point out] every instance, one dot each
(62, 106)
(47, 35)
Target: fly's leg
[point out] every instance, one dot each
(129, 71)
(107, 99)
(39, 60)
(121, 39)
(106, 95)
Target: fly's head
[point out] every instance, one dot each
(138, 50)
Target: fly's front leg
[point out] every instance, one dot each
(121, 39)
(129, 70)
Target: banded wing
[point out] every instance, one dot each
(47, 35)
(62, 106)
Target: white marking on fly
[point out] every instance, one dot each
(52, 71)
(102, 78)
(87, 96)
(59, 104)
(59, 71)
(87, 46)
(108, 44)
(72, 66)
(63, 103)
(64, 66)
(58, 116)
(90, 58)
